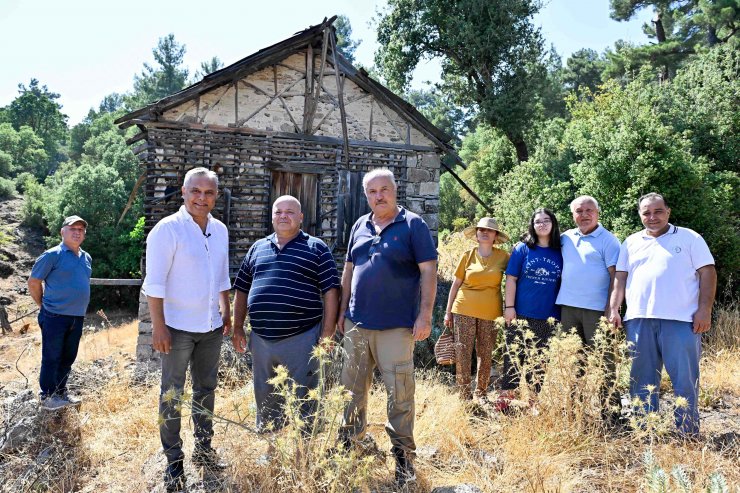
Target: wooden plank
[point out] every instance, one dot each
(256, 133)
(96, 281)
(244, 120)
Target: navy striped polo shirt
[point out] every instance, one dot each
(285, 286)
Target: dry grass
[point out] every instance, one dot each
(555, 449)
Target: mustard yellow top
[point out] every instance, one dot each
(479, 295)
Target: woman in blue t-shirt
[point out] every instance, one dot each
(532, 284)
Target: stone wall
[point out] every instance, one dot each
(422, 189)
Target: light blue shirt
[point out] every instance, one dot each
(66, 278)
(586, 260)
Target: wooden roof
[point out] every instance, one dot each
(274, 54)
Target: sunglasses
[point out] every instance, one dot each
(373, 245)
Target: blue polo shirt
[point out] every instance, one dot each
(386, 280)
(285, 286)
(538, 272)
(66, 279)
(586, 259)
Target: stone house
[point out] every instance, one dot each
(294, 118)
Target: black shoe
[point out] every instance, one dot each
(405, 474)
(207, 458)
(174, 477)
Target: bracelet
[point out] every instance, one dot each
(509, 307)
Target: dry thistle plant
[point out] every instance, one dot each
(302, 455)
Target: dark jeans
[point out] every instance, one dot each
(201, 351)
(60, 339)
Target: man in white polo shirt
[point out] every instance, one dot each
(187, 287)
(668, 275)
(590, 255)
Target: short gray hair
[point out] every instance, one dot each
(651, 196)
(584, 198)
(200, 171)
(378, 173)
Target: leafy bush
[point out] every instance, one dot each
(7, 187)
(23, 180)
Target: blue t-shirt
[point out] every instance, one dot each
(285, 286)
(586, 262)
(386, 277)
(66, 279)
(538, 272)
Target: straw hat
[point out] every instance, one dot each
(488, 223)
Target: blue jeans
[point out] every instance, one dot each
(658, 342)
(201, 351)
(60, 339)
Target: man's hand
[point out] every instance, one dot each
(702, 320)
(227, 324)
(422, 328)
(614, 318)
(340, 323)
(161, 338)
(239, 340)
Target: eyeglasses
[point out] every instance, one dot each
(542, 222)
(376, 241)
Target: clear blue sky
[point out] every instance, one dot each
(87, 49)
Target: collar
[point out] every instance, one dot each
(599, 229)
(184, 214)
(65, 248)
(300, 236)
(672, 230)
(400, 217)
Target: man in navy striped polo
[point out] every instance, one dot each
(288, 283)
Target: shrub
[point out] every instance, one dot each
(7, 187)
(22, 181)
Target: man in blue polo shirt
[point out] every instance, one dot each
(289, 284)
(388, 288)
(60, 286)
(590, 255)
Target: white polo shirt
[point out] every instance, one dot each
(662, 281)
(188, 269)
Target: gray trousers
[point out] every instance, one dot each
(294, 353)
(200, 351)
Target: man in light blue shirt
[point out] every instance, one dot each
(590, 254)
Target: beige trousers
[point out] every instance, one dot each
(392, 351)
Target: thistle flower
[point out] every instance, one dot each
(281, 375)
(682, 402)
(551, 321)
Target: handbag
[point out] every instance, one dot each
(444, 348)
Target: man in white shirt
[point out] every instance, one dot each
(669, 279)
(187, 286)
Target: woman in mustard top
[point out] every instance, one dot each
(474, 303)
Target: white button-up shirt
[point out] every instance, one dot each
(188, 269)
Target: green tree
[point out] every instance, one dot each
(703, 103)
(491, 55)
(679, 29)
(168, 76)
(37, 107)
(22, 151)
(489, 155)
(207, 67)
(345, 44)
(583, 71)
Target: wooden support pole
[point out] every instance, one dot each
(340, 96)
